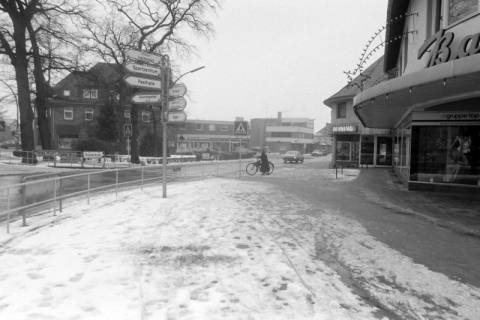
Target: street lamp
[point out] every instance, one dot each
(183, 74)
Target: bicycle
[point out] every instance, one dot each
(253, 167)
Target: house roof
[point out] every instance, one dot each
(371, 76)
(102, 72)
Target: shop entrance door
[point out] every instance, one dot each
(367, 150)
(384, 151)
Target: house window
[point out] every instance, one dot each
(224, 128)
(145, 116)
(88, 114)
(459, 9)
(211, 127)
(66, 93)
(199, 127)
(90, 94)
(341, 110)
(68, 113)
(126, 114)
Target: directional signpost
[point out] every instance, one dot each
(178, 90)
(151, 72)
(143, 69)
(145, 98)
(143, 83)
(143, 56)
(178, 116)
(177, 104)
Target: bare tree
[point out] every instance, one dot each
(149, 25)
(23, 25)
(13, 39)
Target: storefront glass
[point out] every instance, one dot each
(384, 151)
(347, 149)
(446, 154)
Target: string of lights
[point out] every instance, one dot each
(368, 51)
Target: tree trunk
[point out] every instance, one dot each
(23, 88)
(134, 158)
(42, 90)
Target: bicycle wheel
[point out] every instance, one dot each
(251, 168)
(271, 167)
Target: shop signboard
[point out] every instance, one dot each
(439, 47)
(344, 129)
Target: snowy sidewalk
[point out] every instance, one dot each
(215, 249)
(196, 255)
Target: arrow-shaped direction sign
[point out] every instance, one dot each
(177, 104)
(177, 91)
(143, 69)
(146, 98)
(144, 56)
(143, 83)
(177, 116)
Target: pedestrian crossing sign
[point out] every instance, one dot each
(240, 128)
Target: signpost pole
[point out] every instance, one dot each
(165, 87)
(240, 159)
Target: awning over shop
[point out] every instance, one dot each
(386, 104)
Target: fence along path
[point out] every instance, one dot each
(48, 193)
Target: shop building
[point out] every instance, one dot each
(432, 100)
(193, 136)
(353, 144)
(282, 134)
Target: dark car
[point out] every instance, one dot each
(293, 156)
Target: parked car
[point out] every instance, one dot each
(293, 156)
(318, 153)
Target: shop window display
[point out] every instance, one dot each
(446, 154)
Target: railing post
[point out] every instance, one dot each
(116, 184)
(60, 202)
(8, 210)
(336, 171)
(88, 188)
(141, 186)
(55, 196)
(218, 168)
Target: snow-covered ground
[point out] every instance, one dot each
(215, 249)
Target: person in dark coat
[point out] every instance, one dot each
(264, 166)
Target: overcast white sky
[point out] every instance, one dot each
(279, 55)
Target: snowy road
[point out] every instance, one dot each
(221, 249)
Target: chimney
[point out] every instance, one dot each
(279, 116)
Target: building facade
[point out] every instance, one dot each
(77, 103)
(432, 100)
(354, 144)
(282, 134)
(208, 136)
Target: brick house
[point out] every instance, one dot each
(78, 99)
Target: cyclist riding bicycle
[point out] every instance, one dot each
(264, 165)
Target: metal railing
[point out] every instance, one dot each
(48, 193)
